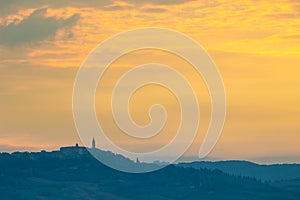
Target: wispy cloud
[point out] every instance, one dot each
(291, 36)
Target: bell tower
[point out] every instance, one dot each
(93, 143)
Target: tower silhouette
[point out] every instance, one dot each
(93, 144)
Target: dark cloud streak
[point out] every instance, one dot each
(154, 10)
(157, 2)
(12, 6)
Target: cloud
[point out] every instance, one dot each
(8, 7)
(154, 10)
(284, 16)
(291, 36)
(35, 27)
(11, 6)
(114, 8)
(157, 2)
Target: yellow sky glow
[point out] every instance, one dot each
(255, 44)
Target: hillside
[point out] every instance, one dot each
(80, 176)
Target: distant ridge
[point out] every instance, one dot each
(274, 172)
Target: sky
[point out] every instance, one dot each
(255, 44)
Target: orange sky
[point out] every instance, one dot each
(256, 45)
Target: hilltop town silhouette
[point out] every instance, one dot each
(106, 157)
(73, 173)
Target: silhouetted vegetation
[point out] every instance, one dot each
(57, 175)
(275, 172)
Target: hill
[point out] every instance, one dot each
(73, 174)
(274, 172)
